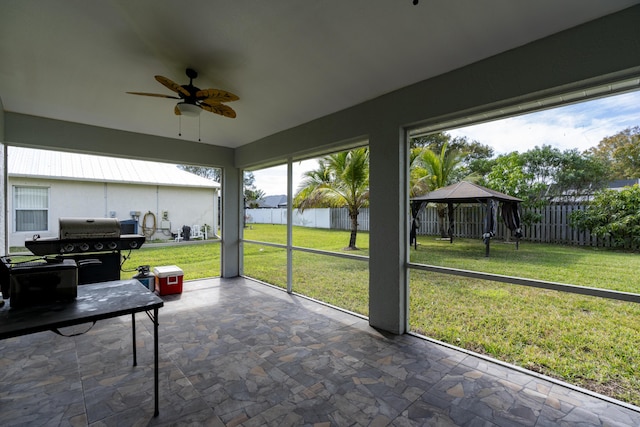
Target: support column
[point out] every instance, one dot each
(232, 203)
(214, 221)
(388, 289)
(4, 199)
(4, 227)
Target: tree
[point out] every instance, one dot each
(203, 171)
(251, 194)
(509, 175)
(543, 174)
(430, 171)
(622, 152)
(469, 149)
(615, 214)
(252, 197)
(341, 180)
(580, 175)
(474, 155)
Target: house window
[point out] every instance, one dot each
(31, 205)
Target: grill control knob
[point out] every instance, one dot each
(98, 246)
(133, 244)
(68, 247)
(84, 247)
(113, 245)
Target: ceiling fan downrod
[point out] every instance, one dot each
(192, 74)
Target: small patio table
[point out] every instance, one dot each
(96, 301)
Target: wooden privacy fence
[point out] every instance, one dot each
(340, 219)
(554, 227)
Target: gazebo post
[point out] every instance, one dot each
(489, 225)
(450, 209)
(416, 208)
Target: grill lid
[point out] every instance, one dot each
(89, 228)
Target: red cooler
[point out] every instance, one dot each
(168, 279)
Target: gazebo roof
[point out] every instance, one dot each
(464, 192)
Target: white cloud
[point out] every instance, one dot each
(580, 126)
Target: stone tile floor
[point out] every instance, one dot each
(239, 353)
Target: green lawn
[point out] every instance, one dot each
(585, 266)
(587, 341)
(196, 260)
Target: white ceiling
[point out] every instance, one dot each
(289, 61)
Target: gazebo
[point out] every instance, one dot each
(467, 192)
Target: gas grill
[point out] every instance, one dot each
(95, 243)
(82, 235)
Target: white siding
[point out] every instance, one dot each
(89, 186)
(186, 206)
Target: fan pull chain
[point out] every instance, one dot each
(179, 125)
(199, 128)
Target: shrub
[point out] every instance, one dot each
(615, 214)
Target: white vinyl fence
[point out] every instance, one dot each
(314, 218)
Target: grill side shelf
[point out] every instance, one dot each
(54, 246)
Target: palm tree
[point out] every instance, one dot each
(418, 175)
(430, 171)
(341, 180)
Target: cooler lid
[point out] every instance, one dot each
(167, 270)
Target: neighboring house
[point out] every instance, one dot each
(621, 183)
(156, 198)
(279, 201)
(617, 185)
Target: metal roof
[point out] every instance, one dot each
(32, 163)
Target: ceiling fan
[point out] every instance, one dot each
(194, 99)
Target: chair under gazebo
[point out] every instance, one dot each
(467, 192)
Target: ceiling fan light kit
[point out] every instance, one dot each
(189, 110)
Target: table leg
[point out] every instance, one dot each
(133, 333)
(156, 387)
(155, 361)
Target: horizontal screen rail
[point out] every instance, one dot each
(310, 250)
(574, 289)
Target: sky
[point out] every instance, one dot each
(580, 126)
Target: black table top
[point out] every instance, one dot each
(96, 301)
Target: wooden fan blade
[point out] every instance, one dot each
(176, 110)
(154, 94)
(170, 84)
(221, 109)
(216, 95)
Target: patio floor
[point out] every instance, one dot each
(236, 352)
